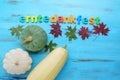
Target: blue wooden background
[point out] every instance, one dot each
(90, 59)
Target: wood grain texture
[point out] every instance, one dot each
(91, 59)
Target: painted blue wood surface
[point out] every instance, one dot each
(88, 59)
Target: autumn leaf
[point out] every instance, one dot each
(50, 46)
(56, 31)
(101, 29)
(84, 33)
(16, 30)
(71, 34)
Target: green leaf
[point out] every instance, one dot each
(16, 30)
(71, 33)
(50, 46)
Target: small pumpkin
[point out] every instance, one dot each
(17, 61)
(33, 38)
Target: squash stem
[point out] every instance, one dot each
(16, 63)
(65, 46)
(28, 39)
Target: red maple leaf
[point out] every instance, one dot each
(84, 32)
(56, 31)
(101, 29)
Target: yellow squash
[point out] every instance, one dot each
(48, 68)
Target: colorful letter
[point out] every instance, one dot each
(85, 21)
(91, 20)
(28, 19)
(22, 19)
(78, 19)
(53, 19)
(34, 19)
(65, 18)
(39, 19)
(60, 19)
(46, 19)
(71, 19)
(97, 20)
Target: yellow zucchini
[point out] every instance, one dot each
(49, 67)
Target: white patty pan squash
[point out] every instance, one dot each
(33, 38)
(17, 61)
